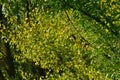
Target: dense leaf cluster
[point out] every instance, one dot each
(62, 39)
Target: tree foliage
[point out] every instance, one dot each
(62, 39)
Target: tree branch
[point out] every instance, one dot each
(87, 42)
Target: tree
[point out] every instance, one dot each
(7, 58)
(67, 39)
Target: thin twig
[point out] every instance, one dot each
(75, 27)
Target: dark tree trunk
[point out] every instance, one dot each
(8, 61)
